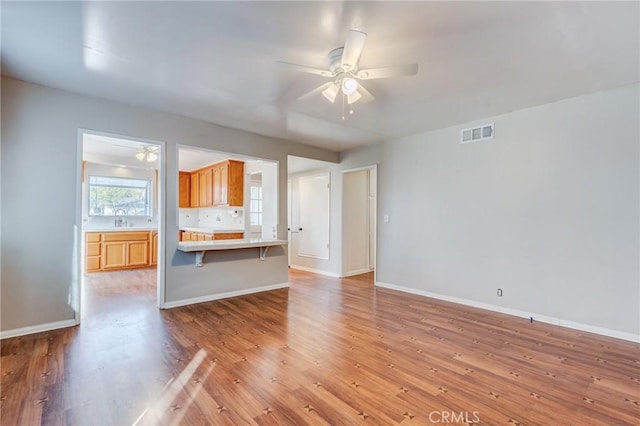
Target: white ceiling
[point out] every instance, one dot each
(114, 151)
(300, 164)
(217, 61)
(190, 159)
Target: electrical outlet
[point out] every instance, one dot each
(499, 292)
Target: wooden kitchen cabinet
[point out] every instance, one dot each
(228, 183)
(194, 190)
(229, 236)
(206, 187)
(92, 251)
(153, 256)
(137, 253)
(114, 255)
(108, 251)
(220, 184)
(201, 236)
(184, 190)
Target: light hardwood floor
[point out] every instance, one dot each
(324, 351)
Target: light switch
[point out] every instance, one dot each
(385, 218)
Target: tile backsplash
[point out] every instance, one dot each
(213, 217)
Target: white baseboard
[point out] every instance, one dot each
(518, 313)
(37, 328)
(210, 297)
(315, 271)
(357, 272)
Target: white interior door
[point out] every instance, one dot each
(313, 219)
(289, 217)
(356, 205)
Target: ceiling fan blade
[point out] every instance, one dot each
(316, 91)
(397, 71)
(366, 96)
(309, 70)
(352, 49)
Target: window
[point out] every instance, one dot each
(255, 212)
(110, 196)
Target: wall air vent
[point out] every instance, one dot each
(476, 134)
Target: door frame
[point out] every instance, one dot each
(161, 273)
(374, 218)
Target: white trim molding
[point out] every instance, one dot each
(315, 271)
(235, 293)
(357, 272)
(516, 312)
(49, 326)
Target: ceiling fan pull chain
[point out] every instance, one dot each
(343, 96)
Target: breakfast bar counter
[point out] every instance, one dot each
(201, 247)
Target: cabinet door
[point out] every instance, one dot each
(194, 190)
(184, 185)
(217, 194)
(137, 253)
(92, 263)
(205, 188)
(153, 258)
(114, 254)
(229, 236)
(224, 183)
(235, 185)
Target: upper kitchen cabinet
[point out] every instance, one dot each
(228, 183)
(194, 190)
(206, 187)
(184, 193)
(219, 184)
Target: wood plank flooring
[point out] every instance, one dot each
(324, 351)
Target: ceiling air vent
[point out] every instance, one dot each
(477, 134)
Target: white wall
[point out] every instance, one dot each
(548, 211)
(39, 168)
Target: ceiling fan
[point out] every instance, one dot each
(345, 73)
(149, 153)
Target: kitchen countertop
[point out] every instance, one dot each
(189, 246)
(120, 228)
(200, 248)
(210, 230)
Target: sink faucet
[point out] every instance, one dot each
(120, 222)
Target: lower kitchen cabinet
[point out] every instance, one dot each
(201, 236)
(153, 257)
(229, 236)
(108, 251)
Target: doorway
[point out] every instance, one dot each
(120, 218)
(359, 221)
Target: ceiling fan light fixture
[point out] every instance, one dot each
(331, 93)
(349, 86)
(148, 153)
(351, 99)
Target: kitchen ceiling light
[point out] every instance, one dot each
(349, 86)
